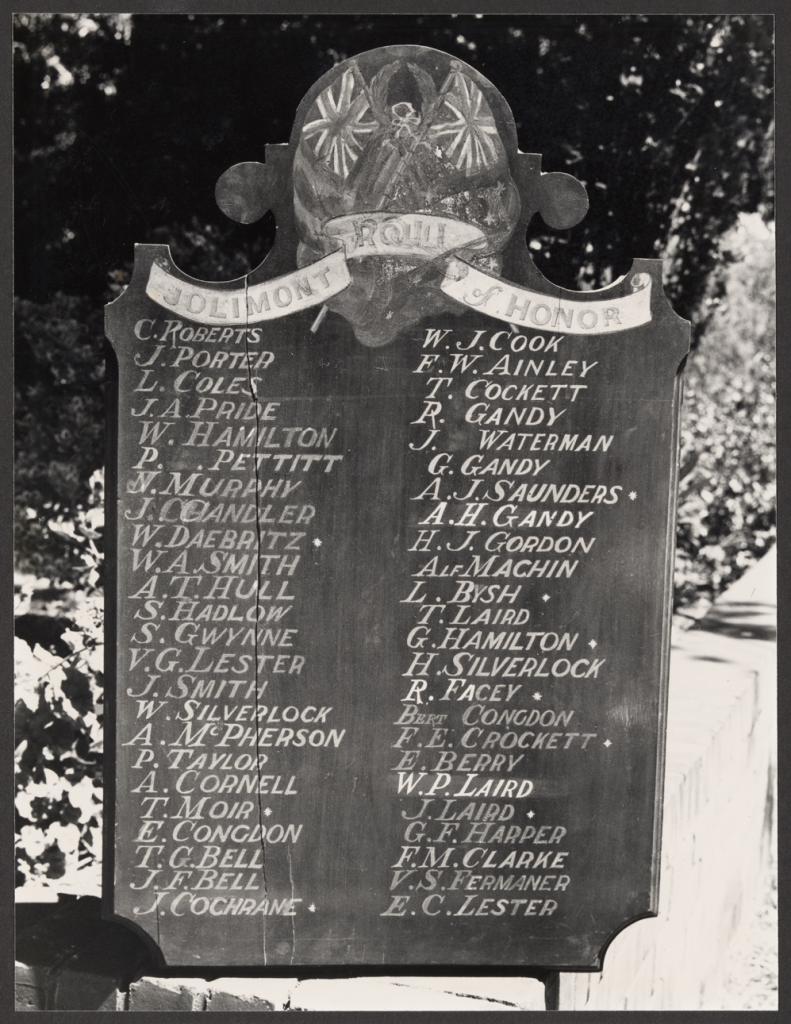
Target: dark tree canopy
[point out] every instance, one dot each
(123, 127)
(124, 123)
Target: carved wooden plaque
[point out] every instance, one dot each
(393, 522)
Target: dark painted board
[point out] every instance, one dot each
(449, 747)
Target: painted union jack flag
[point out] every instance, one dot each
(471, 137)
(340, 130)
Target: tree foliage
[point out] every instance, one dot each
(59, 712)
(123, 127)
(60, 414)
(726, 514)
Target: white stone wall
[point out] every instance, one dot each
(719, 836)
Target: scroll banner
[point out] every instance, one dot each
(420, 236)
(291, 293)
(514, 305)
